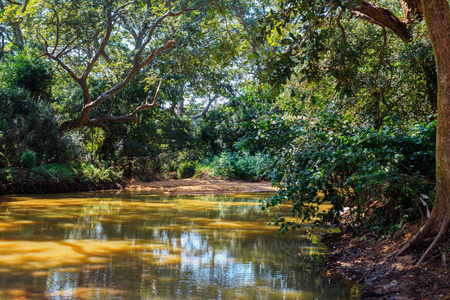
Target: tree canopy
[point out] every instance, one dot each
(333, 101)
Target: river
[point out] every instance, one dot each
(133, 245)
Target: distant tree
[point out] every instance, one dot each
(113, 38)
(10, 29)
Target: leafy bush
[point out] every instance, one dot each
(220, 129)
(28, 124)
(382, 175)
(233, 165)
(57, 178)
(28, 159)
(186, 170)
(169, 161)
(94, 174)
(28, 71)
(51, 174)
(9, 175)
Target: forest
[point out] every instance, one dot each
(342, 102)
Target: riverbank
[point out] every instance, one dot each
(58, 178)
(198, 186)
(364, 259)
(23, 185)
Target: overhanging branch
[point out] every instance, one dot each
(382, 17)
(138, 63)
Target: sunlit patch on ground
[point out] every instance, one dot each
(199, 186)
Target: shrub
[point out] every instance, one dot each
(186, 170)
(28, 159)
(234, 165)
(9, 175)
(28, 124)
(28, 71)
(56, 178)
(93, 174)
(383, 175)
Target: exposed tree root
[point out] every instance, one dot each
(442, 231)
(424, 232)
(420, 235)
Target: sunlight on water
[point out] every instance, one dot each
(138, 246)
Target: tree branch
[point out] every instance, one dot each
(412, 10)
(382, 17)
(155, 98)
(111, 18)
(95, 122)
(100, 49)
(25, 6)
(338, 22)
(168, 13)
(83, 117)
(13, 2)
(197, 116)
(57, 34)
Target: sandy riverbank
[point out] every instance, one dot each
(198, 186)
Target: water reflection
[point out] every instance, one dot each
(138, 246)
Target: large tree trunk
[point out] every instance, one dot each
(437, 18)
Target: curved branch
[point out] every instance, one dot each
(100, 49)
(198, 116)
(338, 22)
(169, 13)
(382, 17)
(132, 117)
(132, 73)
(63, 65)
(57, 33)
(111, 18)
(13, 2)
(83, 117)
(99, 120)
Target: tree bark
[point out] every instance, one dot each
(437, 19)
(180, 109)
(204, 111)
(380, 16)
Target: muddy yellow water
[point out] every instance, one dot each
(141, 246)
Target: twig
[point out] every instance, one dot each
(338, 23)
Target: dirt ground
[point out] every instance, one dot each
(198, 186)
(364, 259)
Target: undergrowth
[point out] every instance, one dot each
(56, 177)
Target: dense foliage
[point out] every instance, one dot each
(329, 116)
(382, 176)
